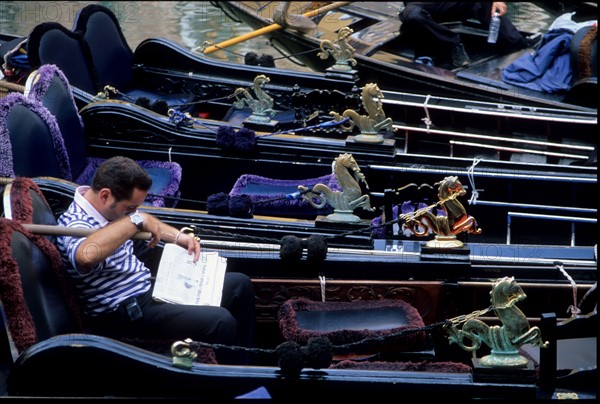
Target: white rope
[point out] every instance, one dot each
(170, 148)
(573, 309)
(322, 282)
(427, 119)
(471, 177)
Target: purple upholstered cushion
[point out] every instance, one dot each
(269, 195)
(7, 165)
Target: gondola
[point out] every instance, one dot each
(430, 136)
(384, 54)
(439, 287)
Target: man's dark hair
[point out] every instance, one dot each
(121, 175)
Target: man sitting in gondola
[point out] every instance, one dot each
(115, 286)
(433, 40)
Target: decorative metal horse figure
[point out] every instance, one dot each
(504, 340)
(343, 53)
(261, 106)
(349, 176)
(456, 220)
(371, 124)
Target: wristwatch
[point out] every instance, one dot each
(137, 220)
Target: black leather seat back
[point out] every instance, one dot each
(52, 43)
(112, 56)
(41, 288)
(34, 138)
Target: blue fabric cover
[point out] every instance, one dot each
(548, 69)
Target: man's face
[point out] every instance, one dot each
(113, 210)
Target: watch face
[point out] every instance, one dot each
(136, 219)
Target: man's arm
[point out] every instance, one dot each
(105, 241)
(101, 244)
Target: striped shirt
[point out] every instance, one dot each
(111, 281)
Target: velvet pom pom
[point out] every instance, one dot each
(245, 140)
(160, 107)
(241, 206)
(291, 248)
(218, 204)
(225, 137)
(290, 358)
(316, 248)
(377, 231)
(143, 102)
(251, 59)
(266, 61)
(318, 353)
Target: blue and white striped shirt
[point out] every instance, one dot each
(111, 281)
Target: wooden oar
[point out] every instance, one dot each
(52, 230)
(272, 27)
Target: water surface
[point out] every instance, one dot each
(188, 23)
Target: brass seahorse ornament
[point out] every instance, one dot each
(370, 124)
(341, 50)
(261, 106)
(504, 340)
(344, 202)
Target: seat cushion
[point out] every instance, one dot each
(166, 177)
(346, 322)
(271, 196)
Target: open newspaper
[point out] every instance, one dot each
(180, 280)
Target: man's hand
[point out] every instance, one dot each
(499, 7)
(189, 242)
(152, 225)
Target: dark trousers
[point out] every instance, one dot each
(421, 20)
(232, 323)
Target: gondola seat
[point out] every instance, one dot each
(44, 349)
(275, 197)
(28, 135)
(388, 326)
(36, 302)
(584, 59)
(93, 54)
(24, 203)
(60, 128)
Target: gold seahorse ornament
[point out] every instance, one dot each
(344, 202)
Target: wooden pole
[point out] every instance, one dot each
(272, 27)
(52, 230)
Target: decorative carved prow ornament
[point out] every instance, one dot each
(370, 124)
(261, 106)
(504, 340)
(344, 202)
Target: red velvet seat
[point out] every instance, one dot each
(386, 325)
(46, 290)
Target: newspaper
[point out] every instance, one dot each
(180, 280)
